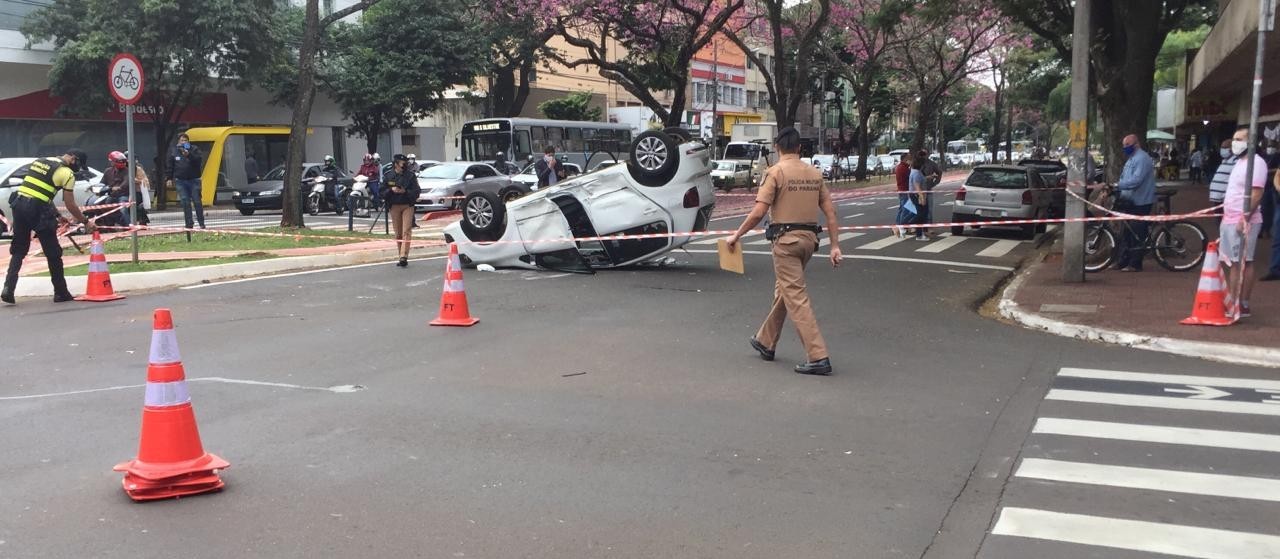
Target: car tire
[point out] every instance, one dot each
(484, 216)
(1029, 230)
(246, 211)
(957, 230)
(654, 158)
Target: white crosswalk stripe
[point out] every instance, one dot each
(843, 237)
(999, 248)
(1146, 462)
(882, 243)
(947, 241)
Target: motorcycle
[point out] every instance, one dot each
(320, 200)
(103, 217)
(362, 202)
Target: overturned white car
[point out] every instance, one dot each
(664, 188)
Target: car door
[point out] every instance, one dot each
(483, 179)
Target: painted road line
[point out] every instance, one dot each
(307, 272)
(843, 236)
(947, 241)
(1160, 378)
(1136, 535)
(759, 242)
(999, 248)
(882, 243)
(854, 216)
(1192, 483)
(951, 263)
(893, 207)
(1173, 403)
(1157, 434)
(947, 203)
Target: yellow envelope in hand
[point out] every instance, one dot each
(730, 260)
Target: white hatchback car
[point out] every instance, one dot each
(664, 188)
(13, 169)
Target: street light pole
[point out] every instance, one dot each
(715, 88)
(1073, 231)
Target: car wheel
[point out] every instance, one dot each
(246, 211)
(956, 230)
(654, 158)
(1029, 230)
(483, 216)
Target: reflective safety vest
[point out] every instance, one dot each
(39, 184)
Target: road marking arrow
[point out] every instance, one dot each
(1198, 392)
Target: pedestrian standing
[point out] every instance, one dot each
(547, 168)
(251, 168)
(932, 177)
(1238, 234)
(185, 165)
(1221, 174)
(918, 188)
(1196, 162)
(402, 193)
(1273, 273)
(902, 177)
(793, 193)
(34, 211)
(1270, 197)
(1137, 194)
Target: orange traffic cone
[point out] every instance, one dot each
(98, 287)
(1208, 309)
(171, 461)
(453, 302)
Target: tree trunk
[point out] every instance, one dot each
(162, 161)
(301, 118)
(502, 92)
(1124, 60)
(1008, 134)
(676, 116)
(864, 141)
(371, 141)
(925, 109)
(995, 125)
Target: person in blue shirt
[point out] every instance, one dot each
(1136, 194)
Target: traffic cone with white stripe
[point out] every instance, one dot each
(1208, 309)
(453, 302)
(98, 287)
(171, 460)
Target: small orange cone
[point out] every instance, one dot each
(453, 302)
(1208, 309)
(98, 287)
(171, 460)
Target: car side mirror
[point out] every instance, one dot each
(468, 177)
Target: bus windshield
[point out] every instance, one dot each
(485, 147)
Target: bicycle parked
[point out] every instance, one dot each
(1178, 246)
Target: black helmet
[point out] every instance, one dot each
(78, 159)
(399, 157)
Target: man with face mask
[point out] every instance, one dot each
(1270, 196)
(1238, 234)
(1218, 186)
(1137, 193)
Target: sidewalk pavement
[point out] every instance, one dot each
(1143, 309)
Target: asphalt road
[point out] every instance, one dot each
(623, 415)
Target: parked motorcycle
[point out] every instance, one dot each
(362, 202)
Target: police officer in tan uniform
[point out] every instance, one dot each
(792, 193)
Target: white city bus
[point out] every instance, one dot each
(586, 144)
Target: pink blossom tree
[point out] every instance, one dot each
(794, 34)
(517, 32)
(643, 46)
(943, 44)
(863, 32)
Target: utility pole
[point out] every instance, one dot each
(715, 88)
(1073, 231)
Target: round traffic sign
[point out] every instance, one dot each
(124, 78)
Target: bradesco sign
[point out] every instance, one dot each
(124, 78)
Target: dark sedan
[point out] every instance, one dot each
(268, 193)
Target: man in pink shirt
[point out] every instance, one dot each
(1238, 235)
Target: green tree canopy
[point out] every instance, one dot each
(187, 48)
(575, 106)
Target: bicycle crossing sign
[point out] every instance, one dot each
(124, 78)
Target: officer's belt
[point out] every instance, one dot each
(776, 230)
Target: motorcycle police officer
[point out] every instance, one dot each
(34, 211)
(792, 193)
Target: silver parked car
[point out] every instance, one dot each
(444, 185)
(1002, 192)
(12, 171)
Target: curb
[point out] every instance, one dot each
(170, 279)
(1214, 351)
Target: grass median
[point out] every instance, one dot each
(229, 247)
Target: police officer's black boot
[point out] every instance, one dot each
(7, 294)
(10, 282)
(60, 292)
(819, 367)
